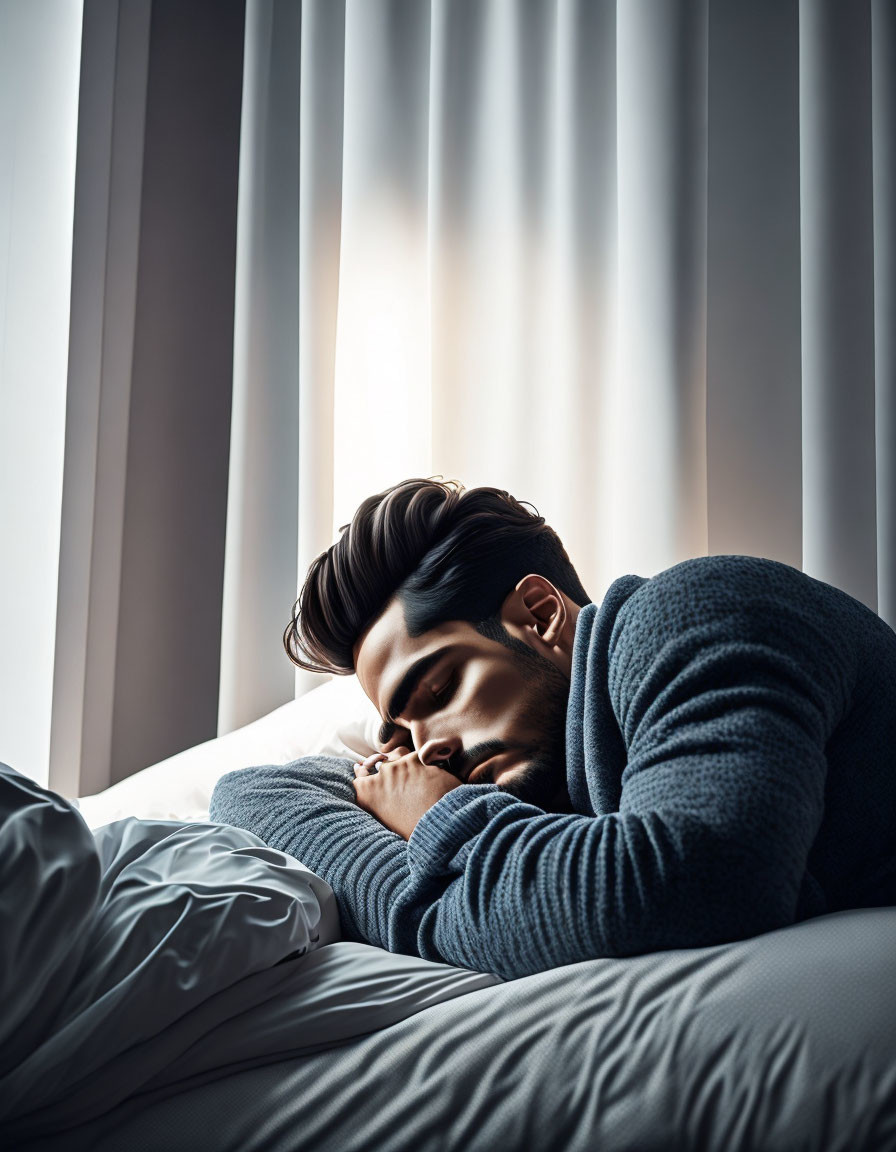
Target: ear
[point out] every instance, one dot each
(536, 604)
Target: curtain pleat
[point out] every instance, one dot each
(381, 376)
(753, 414)
(578, 347)
(883, 72)
(320, 224)
(839, 532)
(262, 508)
(149, 400)
(657, 418)
(523, 207)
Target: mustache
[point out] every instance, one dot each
(462, 764)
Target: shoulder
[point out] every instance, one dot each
(709, 587)
(731, 610)
(724, 575)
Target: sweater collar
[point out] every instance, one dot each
(595, 752)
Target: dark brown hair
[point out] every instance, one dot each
(447, 553)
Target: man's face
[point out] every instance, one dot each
(485, 712)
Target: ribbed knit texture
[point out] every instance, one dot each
(730, 759)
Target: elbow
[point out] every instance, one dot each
(764, 882)
(708, 889)
(228, 799)
(755, 901)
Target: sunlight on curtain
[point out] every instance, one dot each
(515, 288)
(382, 376)
(382, 388)
(473, 334)
(40, 46)
(658, 411)
(837, 289)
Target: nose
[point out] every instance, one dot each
(435, 751)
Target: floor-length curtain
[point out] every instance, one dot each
(148, 395)
(633, 262)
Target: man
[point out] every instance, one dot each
(704, 756)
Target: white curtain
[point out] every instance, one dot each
(633, 262)
(39, 59)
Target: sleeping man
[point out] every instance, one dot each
(706, 755)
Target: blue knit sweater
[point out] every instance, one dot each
(730, 761)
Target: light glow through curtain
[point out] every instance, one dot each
(633, 262)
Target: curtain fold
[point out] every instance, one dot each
(320, 230)
(381, 370)
(106, 232)
(883, 88)
(39, 59)
(632, 262)
(137, 673)
(836, 225)
(263, 486)
(657, 416)
(753, 346)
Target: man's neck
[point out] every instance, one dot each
(561, 803)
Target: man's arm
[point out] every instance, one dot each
(308, 809)
(725, 709)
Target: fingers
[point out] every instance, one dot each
(363, 767)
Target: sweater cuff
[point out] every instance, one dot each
(445, 834)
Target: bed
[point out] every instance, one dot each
(233, 1015)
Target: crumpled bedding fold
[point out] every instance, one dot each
(151, 952)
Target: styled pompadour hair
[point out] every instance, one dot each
(446, 552)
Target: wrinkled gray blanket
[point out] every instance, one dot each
(151, 953)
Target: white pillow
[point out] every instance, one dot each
(335, 719)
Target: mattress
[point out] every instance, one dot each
(786, 1041)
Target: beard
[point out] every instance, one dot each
(542, 779)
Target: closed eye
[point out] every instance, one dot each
(440, 697)
(444, 694)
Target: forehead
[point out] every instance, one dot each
(386, 649)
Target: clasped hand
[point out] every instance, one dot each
(401, 789)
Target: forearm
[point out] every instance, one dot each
(530, 891)
(308, 810)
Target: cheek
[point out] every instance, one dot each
(498, 694)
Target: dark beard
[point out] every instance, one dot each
(541, 781)
(537, 783)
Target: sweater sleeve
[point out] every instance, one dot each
(725, 708)
(309, 810)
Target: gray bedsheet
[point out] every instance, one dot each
(787, 1041)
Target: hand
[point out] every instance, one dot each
(401, 790)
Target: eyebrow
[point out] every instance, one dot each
(406, 688)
